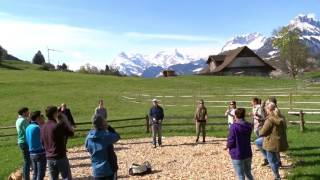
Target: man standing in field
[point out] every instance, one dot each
(53, 137)
(21, 125)
(101, 110)
(156, 117)
(201, 117)
(66, 111)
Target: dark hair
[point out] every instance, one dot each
(256, 100)
(273, 99)
(34, 115)
(202, 101)
(23, 110)
(50, 111)
(98, 122)
(240, 113)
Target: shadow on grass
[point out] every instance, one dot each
(306, 176)
(305, 154)
(302, 163)
(9, 67)
(305, 148)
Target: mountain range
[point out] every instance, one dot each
(152, 65)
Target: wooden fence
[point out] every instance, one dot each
(302, 122)
(144, 123)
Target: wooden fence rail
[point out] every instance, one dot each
(302, 122)
(146, 124)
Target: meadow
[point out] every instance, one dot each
(129, 97)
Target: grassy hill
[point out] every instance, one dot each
(127, 97)
(18, 65)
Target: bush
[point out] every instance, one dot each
(47, 67)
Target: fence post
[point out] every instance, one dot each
(147, 124)
(301, 121)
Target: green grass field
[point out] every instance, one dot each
(127, 97)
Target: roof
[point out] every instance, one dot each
(216, 58)
(231, 55)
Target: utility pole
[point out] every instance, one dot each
(54, 50)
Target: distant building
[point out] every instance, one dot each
(168, 73)
(240, 61)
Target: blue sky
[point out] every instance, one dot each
(96, 31)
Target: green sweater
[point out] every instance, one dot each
(21, 125)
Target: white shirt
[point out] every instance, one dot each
(231, 115)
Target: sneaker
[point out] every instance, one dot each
(265, 163)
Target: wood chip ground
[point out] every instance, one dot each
(178, 158)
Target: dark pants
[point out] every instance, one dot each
(61, 166)
(39, 166)
(26, 157)
(157, 131)
(201, 127)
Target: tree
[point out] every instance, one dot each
(62, 67)
(3, 54)
(38, 58)
(293, 53)
(89, 69)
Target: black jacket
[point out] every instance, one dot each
(67, 112)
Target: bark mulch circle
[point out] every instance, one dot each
(178, 158)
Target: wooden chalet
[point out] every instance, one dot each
(240, 61)
(168, 73)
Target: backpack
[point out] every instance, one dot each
(137, 169)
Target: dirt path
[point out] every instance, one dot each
(179, 158)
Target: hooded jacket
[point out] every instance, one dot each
(274, 131)
(99, 143)
(239, 140)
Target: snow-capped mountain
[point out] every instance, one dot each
(253, 41)
(307, 25)
(151, 65)
(309, 29)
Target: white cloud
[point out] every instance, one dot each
(84, 45)
(177, 37)
(24, 39)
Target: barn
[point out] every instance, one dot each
(240, 61)
(168, 73)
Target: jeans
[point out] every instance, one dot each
(39, 166)
(157, 131)
(274, 163)
(201, 127)
(243, 168)
(259, 144)
(57, 166)
(26, 165)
